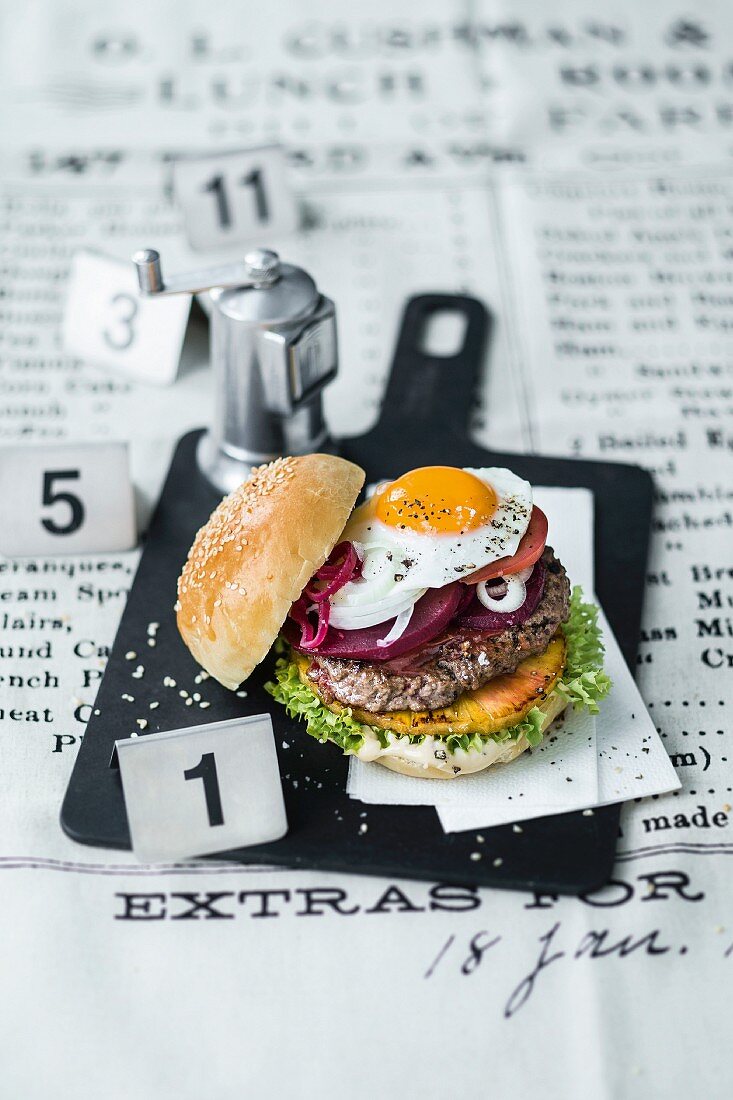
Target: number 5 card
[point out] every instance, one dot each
(65, 498)
(107, 321)
(207, 789)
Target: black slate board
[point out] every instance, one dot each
(423, 422)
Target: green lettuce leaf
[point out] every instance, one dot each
(322, 723)
(584, 684)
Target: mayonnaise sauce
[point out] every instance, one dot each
(432, 752)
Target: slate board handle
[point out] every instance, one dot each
(431, 393)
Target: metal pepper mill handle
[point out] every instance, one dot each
(273, 351)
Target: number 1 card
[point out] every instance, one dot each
(107, 321)
(198, 791)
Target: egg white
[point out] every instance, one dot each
(399, 565)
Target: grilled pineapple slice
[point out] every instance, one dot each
(498, 705)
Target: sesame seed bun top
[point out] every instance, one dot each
(252, 559)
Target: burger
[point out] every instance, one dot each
(430, 629)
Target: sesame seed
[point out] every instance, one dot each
(154, 706)
(138, 673)
(130, 655)
(204, 704)
(183, 694)
(169, 682)
(128, 698)
(142, 722)
(227, 522)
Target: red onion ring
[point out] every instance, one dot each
(335, 575)
(311, 638)
(299, 614)
(324, 614)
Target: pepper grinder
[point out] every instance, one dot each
(273, 351)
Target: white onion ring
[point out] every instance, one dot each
(516, 592)
(398, 627)
(358, 618)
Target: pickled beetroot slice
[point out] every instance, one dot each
(455, 606)
(431, 615)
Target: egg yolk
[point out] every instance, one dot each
(437, 500)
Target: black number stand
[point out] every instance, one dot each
(423, 422)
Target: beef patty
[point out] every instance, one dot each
(458, 661)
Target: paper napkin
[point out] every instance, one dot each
(561, 773)
(632, 761)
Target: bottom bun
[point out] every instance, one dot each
(459, 763)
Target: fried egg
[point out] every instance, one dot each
(431, 526)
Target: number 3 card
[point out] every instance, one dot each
(193, 792)
(109, 323)
(66, 498)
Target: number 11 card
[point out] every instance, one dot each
(235, 198)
